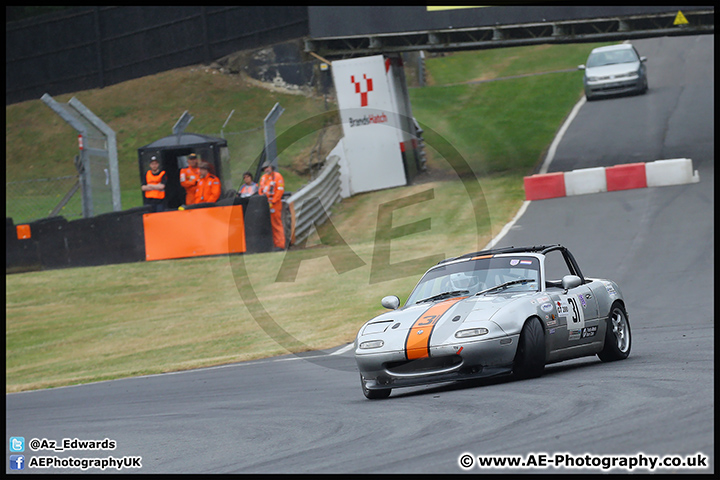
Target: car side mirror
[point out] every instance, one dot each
(581, 67)
(571, 281)
(643, 59)
(392, 302)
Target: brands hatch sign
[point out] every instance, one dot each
(363, 92)
(359, 89)
(373, 112)
(367, 120)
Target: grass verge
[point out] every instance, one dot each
(79, 325)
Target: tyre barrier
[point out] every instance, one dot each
(258, 229)
(661, 173)
(122, 237)
(54, 242)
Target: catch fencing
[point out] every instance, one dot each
(30, 200)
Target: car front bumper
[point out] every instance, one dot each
(446, 363)
(614, 87)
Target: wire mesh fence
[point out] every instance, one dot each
(35, 199)
(30, 200)
(245, 148)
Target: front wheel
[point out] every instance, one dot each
(374, 394)
(530, 357)
(617, 335)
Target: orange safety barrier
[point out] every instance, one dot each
(194, 233)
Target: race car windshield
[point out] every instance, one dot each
(476, 275)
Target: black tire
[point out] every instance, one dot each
(374, 394)
(530, 357)
(618, 338)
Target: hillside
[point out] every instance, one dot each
(500, 126)
(143, 110)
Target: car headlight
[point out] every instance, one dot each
(592, 79)
(471, 332)
(627, 75)
(371, 344)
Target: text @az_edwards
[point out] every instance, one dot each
(18, 461)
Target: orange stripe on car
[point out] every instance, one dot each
(417, 344)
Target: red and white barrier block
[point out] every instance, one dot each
(660, 173)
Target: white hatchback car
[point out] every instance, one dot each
(613, 70)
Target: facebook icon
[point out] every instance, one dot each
(17, 462)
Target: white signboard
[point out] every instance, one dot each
(372, 135)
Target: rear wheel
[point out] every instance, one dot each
(617, 335)
(530, 357)
(374, 394)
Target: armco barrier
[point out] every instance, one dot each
(677, 171)
(312, 203)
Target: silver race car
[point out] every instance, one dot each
(510, 310)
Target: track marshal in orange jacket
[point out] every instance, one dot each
(208, 186)
(272, 185)
(153, 186)
(189, 177)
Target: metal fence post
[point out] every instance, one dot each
(97, 140)
(111, 146)
(270, 140)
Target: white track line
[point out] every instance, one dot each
(508, 226)
(347, 347)
(553, 146)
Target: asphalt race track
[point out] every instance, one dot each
(308, 415)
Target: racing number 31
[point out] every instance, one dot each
(417, 343)
(577, 316)
(426, 320)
